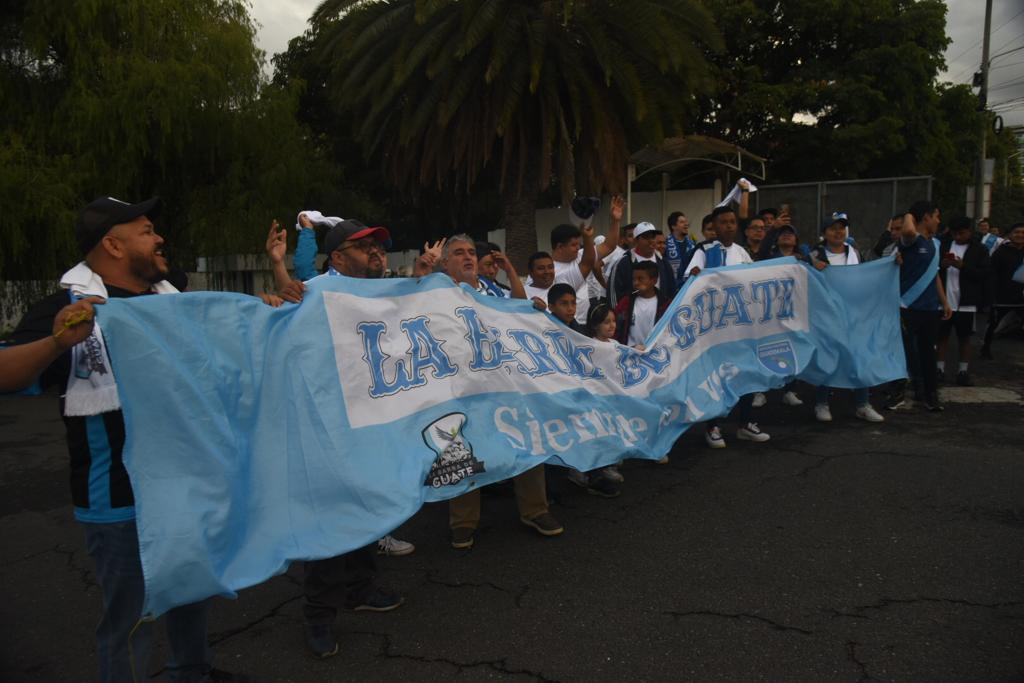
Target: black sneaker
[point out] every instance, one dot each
(545, 524)
(897, 400)
(604, 487)
(933, 405)
(377, 599)
(963, 379)
(321, 640)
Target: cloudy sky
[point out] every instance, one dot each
(280, 20)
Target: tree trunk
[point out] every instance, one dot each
(519, 219)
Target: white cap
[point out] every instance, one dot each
(643, 227)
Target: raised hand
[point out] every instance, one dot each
(277, 243)
(618, 207)
(430, 257)
(501, 260)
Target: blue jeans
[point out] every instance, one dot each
(122, 641)
(860, 397)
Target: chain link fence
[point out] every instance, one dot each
(870, 203)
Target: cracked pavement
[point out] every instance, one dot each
(835, 552)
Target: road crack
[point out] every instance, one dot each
(387, 651)
(851, 653)
(739, 616)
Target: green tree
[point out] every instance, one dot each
(134, 98)
(523, 94)
(838, 90)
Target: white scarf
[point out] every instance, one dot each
(92, 388)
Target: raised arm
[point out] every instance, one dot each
(515, 284)
(589, 251)
(908, 233)
(612, 239)
(305, 250)
(277, 247)
(744, 186)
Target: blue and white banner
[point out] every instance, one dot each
(258, 436)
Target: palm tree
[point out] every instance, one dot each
(529, 92)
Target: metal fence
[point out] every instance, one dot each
(869, 203)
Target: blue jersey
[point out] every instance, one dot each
(919, 263)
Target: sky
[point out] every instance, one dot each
(281, 20)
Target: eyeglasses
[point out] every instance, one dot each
(366, 246)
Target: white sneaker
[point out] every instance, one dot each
(612, 472)
(870, 414)
(759, 400)
(822, 413)
(791, 399)
(579, 478)
(389, 545)
(751, 432)
(714, 438)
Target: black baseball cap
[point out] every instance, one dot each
(353, 230)
(96, 219)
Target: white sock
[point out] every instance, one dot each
(963, 367)
(942, 365)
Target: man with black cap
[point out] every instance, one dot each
(354, 250)
(59, 341)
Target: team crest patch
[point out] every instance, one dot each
(455, 460)
(778, 357)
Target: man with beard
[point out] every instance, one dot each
(58, 341)
(354, 250)
(459, 262)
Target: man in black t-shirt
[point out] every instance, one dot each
(59, 342)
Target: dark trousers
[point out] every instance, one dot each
(744, 411)
(122, 641)
(337, 581)
(920, 333)
(995, 315)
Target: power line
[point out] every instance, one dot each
(1011, 84)
(976, 44)
(1000, 66)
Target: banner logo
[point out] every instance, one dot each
(455, 460)
(778, 357)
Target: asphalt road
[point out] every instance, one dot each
(835, 552)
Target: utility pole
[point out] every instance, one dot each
(979, 178)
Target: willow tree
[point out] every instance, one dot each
(134, 98)
(528, 93)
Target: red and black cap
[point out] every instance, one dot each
(96, 219)
(349, 230)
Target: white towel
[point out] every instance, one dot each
(317, 218)
(92, 388)
(734, 196)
